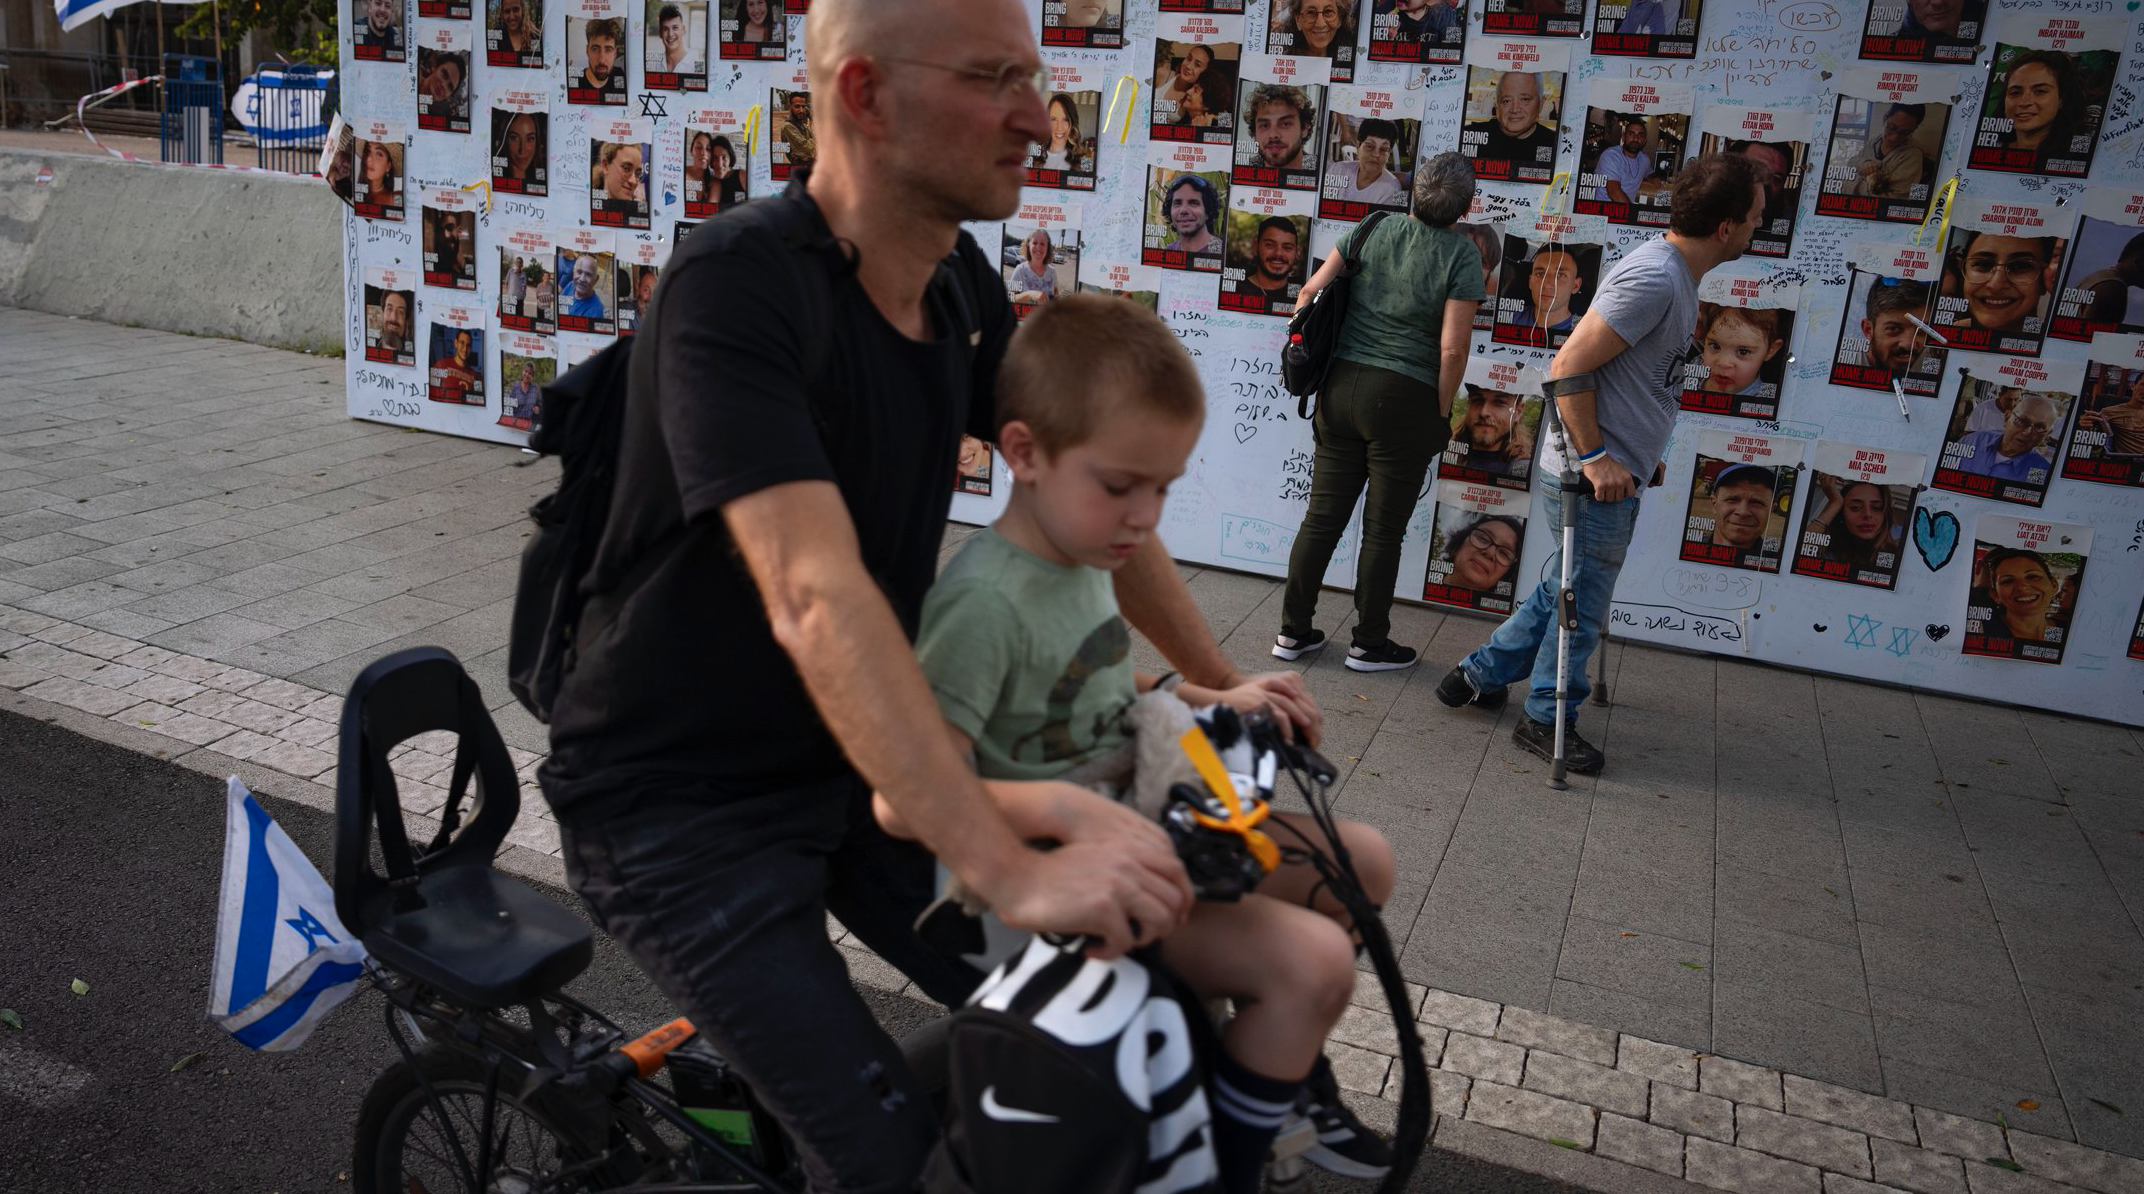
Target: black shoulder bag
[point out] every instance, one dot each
(1314, 333)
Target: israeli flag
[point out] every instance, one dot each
(283, 959)
(73, 13)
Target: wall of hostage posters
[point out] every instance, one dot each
(1884, 343)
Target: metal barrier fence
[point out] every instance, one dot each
(289, 108)
(191, 126)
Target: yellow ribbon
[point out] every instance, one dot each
(1548, 193)
(1116, 94)
(1945, 197)
(484, 186)
(751, 129)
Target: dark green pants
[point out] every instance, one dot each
(1374, 427)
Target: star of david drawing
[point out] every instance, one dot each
(1861, 630)
(652, 105)
(305, 922)
(1902, 640)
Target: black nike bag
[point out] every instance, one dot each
(1314, 332)
(1067, 1075)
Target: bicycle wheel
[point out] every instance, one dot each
(402, 1148)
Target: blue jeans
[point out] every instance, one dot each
(1525, 645)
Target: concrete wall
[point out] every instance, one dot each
(226, 253)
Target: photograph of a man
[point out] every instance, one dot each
(457, 366)
(1890, 342)
(379, 30)
(525, 396)
(1893, 163)
(1882, 157)
(2122, 421)
(1617, 421)
(676, 45)
(1513, 142)
(2019, 450)
(1492, 437)
(513, 33)
(586, 270)
(1741, 499)
(795, 145)
(1183, 229)
(1274, 137)
(1271, 263)
(2104, 291)
(2002, 440)
(388, 325)
(597, 66)
(2107, 444)
(1617, 173)
(1545, 290)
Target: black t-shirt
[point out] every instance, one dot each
(735, 388)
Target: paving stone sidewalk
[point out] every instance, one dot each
(1806, 933)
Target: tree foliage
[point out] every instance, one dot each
(300, 30)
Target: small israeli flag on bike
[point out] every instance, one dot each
(283, 959)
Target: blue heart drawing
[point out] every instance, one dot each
(1936, 537)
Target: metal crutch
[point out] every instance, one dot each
(1575, 487)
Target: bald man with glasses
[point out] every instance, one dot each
(799, 389)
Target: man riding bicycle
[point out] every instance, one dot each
(798, 394)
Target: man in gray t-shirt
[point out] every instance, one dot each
(1632, 342)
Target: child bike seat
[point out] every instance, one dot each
(442, 916)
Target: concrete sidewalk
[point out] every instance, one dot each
(1805, 933)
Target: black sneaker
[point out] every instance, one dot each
(1386, 656)
(1292, 646)
(1346, 1146)
(1458, 690)
(1580, 757)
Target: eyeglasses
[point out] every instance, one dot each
(2018, 269)
(1483, 541)
(1006, 82)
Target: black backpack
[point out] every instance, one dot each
(581, 420)
(1314, 333)
(1066, 1075)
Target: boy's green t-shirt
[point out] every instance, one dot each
(1029, 658)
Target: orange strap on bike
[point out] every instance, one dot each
(650, 1051)
(1208, 761)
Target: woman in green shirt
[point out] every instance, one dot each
(1386, 408)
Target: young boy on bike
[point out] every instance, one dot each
(1030, 661)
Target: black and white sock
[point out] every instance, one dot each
(1248, 1108)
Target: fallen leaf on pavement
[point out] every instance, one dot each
(2102, 1102)
(1564, 1142)
(9, 1018)
(185, 1061)
(2006, 1163)
(2028, 1104)
(80, 987)
(1692, 966)
(1626, 933)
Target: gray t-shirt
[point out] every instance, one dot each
(1650, 301)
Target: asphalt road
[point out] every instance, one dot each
(109, 866)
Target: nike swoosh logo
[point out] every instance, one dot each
(1012, 1115)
